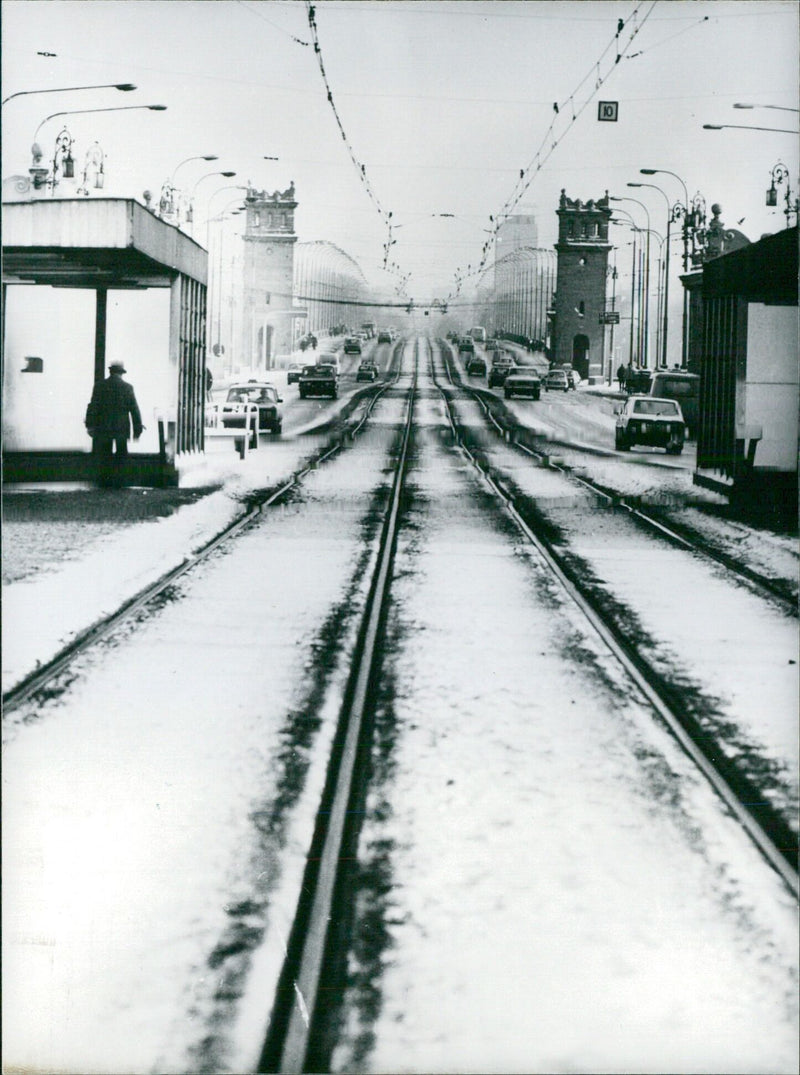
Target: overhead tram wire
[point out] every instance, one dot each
(361, 171)
(528, 174)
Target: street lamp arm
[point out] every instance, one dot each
(202, 157)
(85, 111)
(743, 127)
(125, 87)
(780, 108)
(664, 171)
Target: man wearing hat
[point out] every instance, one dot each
(111, 411)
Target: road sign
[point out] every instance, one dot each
(610, 318)
(608, 111)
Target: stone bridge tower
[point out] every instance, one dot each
(580, 299)
(267, 304)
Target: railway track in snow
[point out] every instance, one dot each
(767, 829)
(43, 681)
(525, 442)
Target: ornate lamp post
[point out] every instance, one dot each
(38, 173)
(780, 174)
(62, 158)
(93, 167)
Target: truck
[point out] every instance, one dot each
(478, 333)
(369, 328)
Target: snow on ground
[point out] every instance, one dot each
(557, 890)
(158, 813)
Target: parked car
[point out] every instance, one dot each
(557, 380)
(261, 394)
(652, 421)
(465, 344)
(352, 346)
(523, 381)
(384, 337)
(502, 365)
(476, 366)
(684, 388)
(293, 372)
(318, 380)
(367, 371)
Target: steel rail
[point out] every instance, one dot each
(288, 1039)
(640, 672)
(37, 680)
(748, 574)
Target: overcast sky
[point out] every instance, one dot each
(443, 103)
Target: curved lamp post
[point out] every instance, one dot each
(125, 87)
(653, 186)
(646, 336)
(208, 175)
(87, 111)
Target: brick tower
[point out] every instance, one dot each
(267, 312)
(580, 299)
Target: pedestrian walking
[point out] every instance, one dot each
(209, 383)
(313, 342)
(109, 416)
(621, 376)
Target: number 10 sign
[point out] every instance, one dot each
(608, 111)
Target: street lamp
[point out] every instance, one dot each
(82, 112)
(780, 108)
(208, 175)
(742, 127)
(38, 172)
(125, 87)
(670, 216)
(207, 157)
(646, 340)
(780, 174)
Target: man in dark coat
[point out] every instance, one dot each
(111, 411)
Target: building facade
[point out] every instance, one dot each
(578, 335)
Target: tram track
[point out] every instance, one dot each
(677, 536)
(770, 832)
(38, 683)
(295, 1010)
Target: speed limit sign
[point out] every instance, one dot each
(607, 110)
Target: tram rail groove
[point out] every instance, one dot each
(295, 1010)
(755, 579)
(37, 680)
(769, 832)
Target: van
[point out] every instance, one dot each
(685, 389)
(478, 333)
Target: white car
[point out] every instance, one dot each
(650, 420)
(261, 394)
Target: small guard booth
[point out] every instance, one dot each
(749, 374)
(88, 282)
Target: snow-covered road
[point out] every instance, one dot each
(544, 882)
